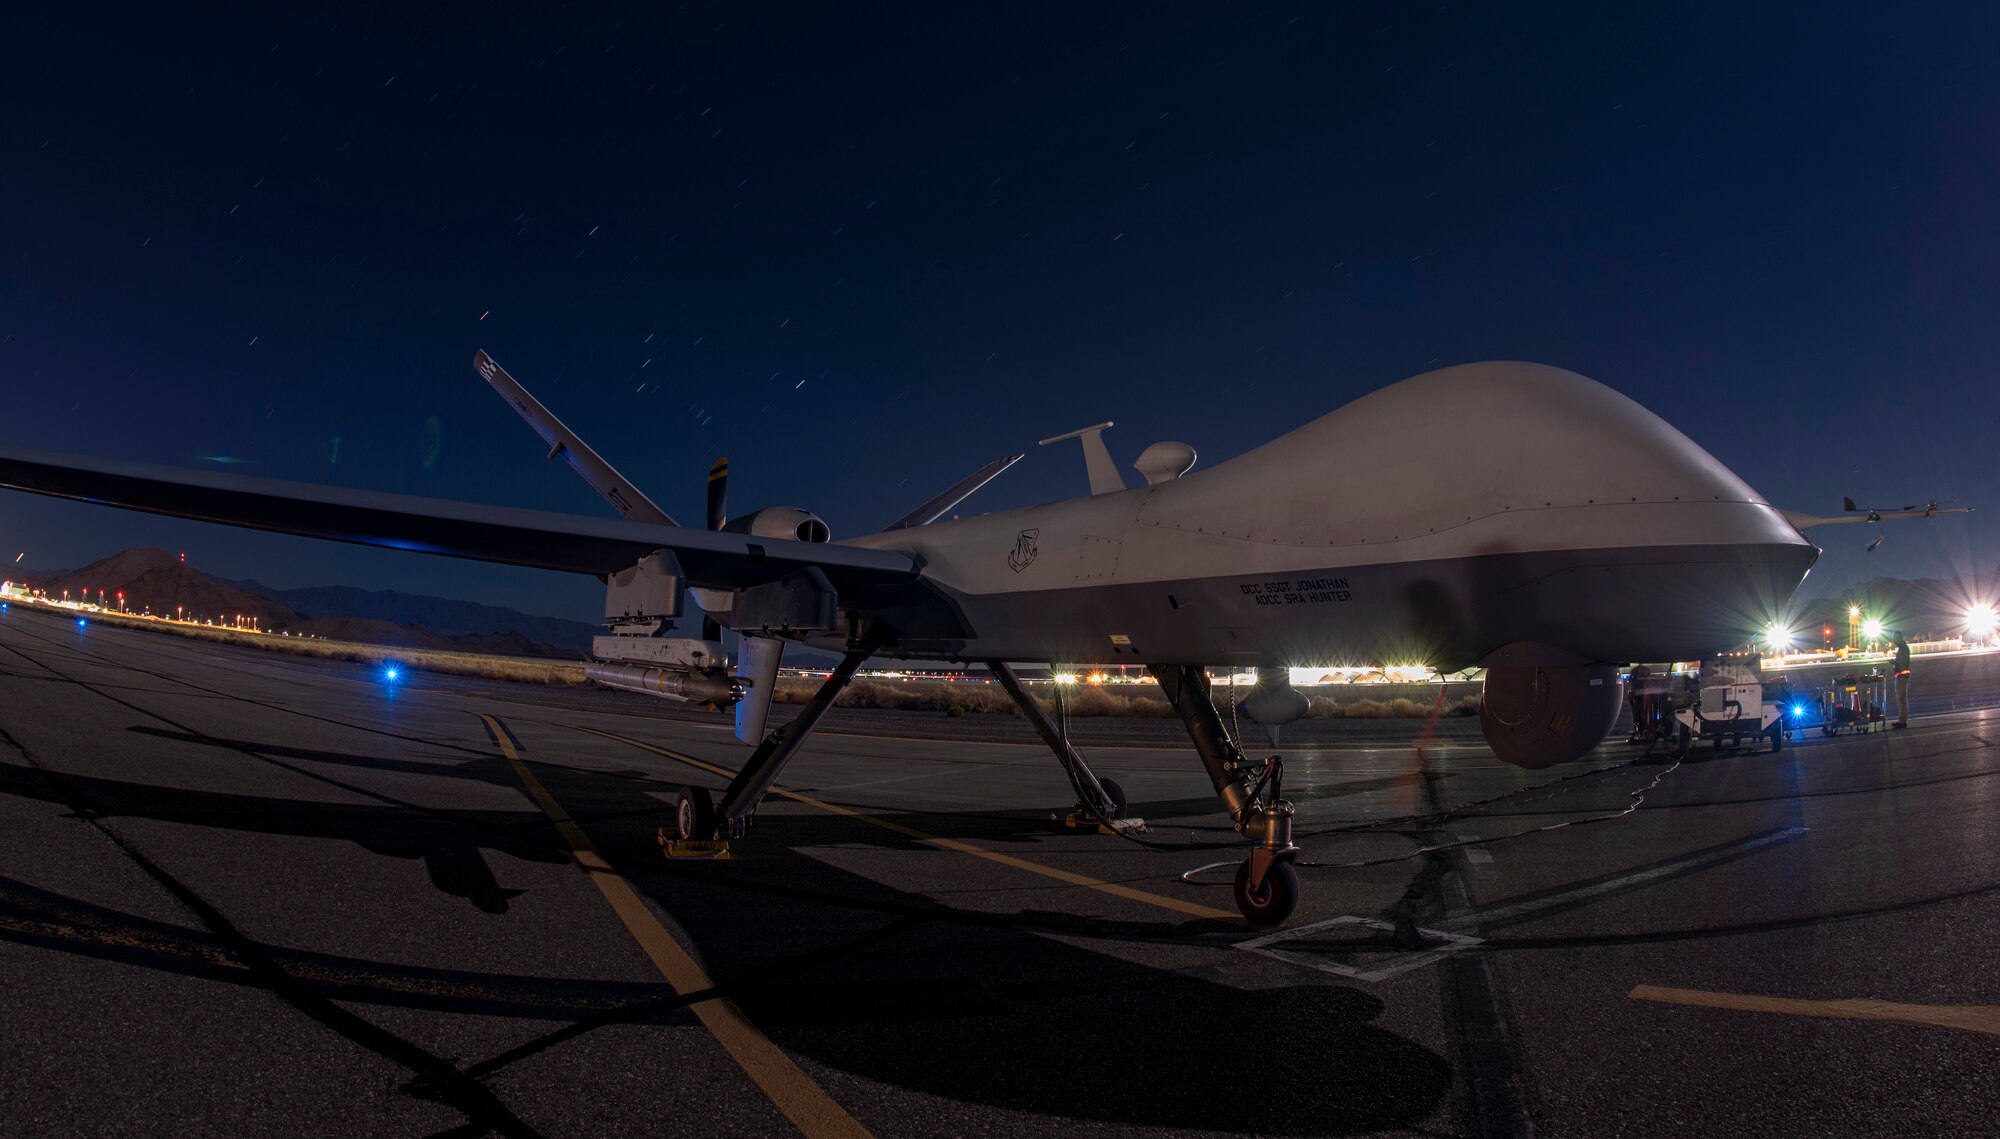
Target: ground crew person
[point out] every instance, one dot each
(1641, 703)
(1902, 680)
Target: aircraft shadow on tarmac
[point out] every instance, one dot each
(977, 1006)
(450, 843)
(33, 916)
(985, 1006)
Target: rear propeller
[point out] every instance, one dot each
(718, 514)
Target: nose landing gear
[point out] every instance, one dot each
(1267, 885)
(1270, 902)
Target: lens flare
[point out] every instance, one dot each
(1980, 620)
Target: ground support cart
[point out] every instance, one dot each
(1730, 711)
(1857, 702)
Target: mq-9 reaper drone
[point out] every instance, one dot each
(1510, 516)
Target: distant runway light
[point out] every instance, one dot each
(1980, 620)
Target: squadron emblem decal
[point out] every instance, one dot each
(1025, 550)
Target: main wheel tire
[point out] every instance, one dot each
(1116, 794)
(1777, 739)
(1271, 903)
(694, 815)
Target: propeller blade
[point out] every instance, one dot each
(718, 493)
(718, 513)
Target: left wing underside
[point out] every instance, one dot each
(534, 538)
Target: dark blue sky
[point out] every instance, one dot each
(860, 250)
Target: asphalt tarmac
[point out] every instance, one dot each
(247, 893)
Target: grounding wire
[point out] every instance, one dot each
(1638, 798)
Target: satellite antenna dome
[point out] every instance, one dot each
(1164, 461)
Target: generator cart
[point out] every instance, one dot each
(1732, 703)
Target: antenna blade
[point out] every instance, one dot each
(1104, 476)
(613, 487)
(961, 490)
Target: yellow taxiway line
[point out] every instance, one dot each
(1192, 909)
(804, 1103)
(1964, 1018)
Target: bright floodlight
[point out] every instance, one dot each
(1779, 637)
(1871, 629)
(1980, 620)
(1854, 611)
(1065, 678)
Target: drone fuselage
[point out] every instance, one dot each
(1467, 515)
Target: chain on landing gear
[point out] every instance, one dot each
(1267, 885)
(1100, 802)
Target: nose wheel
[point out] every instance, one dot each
(1271, 901)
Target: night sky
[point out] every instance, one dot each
(861, 250)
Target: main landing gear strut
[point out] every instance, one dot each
(1099, 799)
(1267, 886)
(700, 819)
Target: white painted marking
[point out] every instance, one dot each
(1444, 945)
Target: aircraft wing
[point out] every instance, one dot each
(1802, 521)
(535, 538)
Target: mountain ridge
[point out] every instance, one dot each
(442, 614)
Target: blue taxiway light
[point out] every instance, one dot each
(1798, 709)
(79, 622)
(391, 673)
